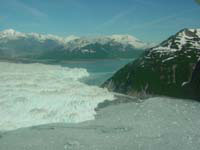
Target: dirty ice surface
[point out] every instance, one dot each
(158, 123)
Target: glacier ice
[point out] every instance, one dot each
(34, 94)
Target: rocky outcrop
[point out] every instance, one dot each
(162, 70)
(192, 88)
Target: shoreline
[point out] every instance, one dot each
(119, 99)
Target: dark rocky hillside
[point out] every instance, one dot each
(163, 70)
(192, 88)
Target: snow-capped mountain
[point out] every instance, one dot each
(162, 70)
(16, 44)
(189, 38)
(186, 41)
(11, 34)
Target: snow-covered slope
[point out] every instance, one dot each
(186, 38)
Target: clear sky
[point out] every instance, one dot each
(148, 20)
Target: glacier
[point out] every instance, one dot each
(34, 94)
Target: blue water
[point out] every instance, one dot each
(100, 70)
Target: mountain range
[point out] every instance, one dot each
(17, 45)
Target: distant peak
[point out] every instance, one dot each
(71, 37)
(126, 36)
(12, 31)
(129, 39)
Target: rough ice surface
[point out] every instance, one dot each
(35, 94)
(156, 124)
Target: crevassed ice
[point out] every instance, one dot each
(34, 94)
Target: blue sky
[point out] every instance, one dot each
(148, 20)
